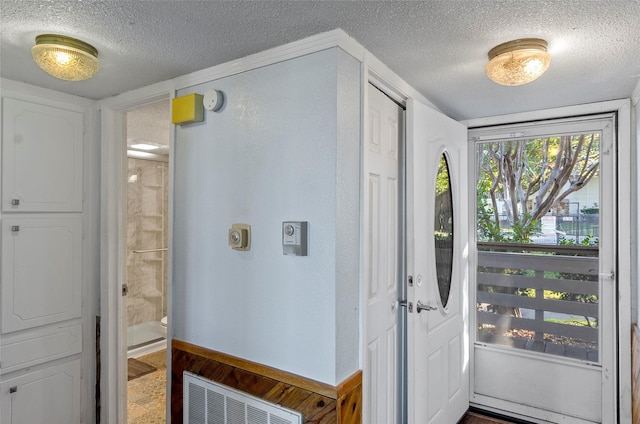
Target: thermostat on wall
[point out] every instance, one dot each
(294, 238)
(240, 237)
(213, 100)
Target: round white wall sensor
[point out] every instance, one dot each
(213, 100)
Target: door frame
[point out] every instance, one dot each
(113, 365)
(625, 213)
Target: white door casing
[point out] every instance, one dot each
(113, 248)
(383, 132)
(617, 396)
(575, 391)
(438, 340)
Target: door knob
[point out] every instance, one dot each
(422, 307)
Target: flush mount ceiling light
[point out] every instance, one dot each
(518, 62)
(65, 58)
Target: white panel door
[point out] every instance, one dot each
(382, 137)
(41, 271)
(48, 396)
(42, 154)
(438, 336)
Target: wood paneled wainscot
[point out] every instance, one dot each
(319, 403)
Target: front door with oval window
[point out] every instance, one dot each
(438, 355)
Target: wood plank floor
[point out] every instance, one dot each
(475, 418)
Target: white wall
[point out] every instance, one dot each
(284, 147)
(347, 296)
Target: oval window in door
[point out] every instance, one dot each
(443, 231)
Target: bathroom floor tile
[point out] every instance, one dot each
(146, 395)
(157, 359)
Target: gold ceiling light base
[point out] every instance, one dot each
(518, 62)
(65, 58)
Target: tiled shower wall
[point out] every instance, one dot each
(147, 223)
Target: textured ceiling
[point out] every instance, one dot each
(439, 47)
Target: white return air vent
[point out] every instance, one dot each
(207, 402)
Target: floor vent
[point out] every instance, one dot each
(207, 402)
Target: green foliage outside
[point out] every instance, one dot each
(526, 178)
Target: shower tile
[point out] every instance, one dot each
(147, 218)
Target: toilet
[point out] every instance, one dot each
(163, 326)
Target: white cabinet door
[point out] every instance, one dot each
(48, 396)
(42, 156)
(41, 271)
(27, 349)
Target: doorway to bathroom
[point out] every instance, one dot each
(144, 311)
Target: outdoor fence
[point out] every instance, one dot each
(537, 297)
(573, 227)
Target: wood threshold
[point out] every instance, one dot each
(276, 374)
(477, 418)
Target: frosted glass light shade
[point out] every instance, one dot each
(65, 58)
(518, 62)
